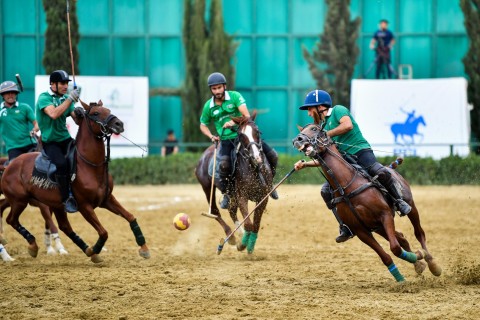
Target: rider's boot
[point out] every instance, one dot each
(69, 202)
(345, 232)
(272, 158)
(223, 187)
(393, 188)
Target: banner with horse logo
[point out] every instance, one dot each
(425, 117)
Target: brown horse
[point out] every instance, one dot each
(362, 206)
(92, 186)
(51, 230)
(252, 181)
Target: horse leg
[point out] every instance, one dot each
(215, 211)
(248, 225)
(4, 254)
(3, 205)
(414, 217)
(369, 240)
(114, 206)
(13, 220)
(66, 227)
(257, 218)
(51, 231)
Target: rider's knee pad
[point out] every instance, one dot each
(380, 170)
(272, 157)
(327, 195)
(224, 166)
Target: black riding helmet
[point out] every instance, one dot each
(59, 76)
(216, 78)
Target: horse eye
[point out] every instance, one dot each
(96, 113)
(314, 129)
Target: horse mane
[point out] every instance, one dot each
(242, 120)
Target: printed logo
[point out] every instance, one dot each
(407, 133)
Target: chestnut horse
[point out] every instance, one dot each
(92, 186)
(362, 205)
(252, 177)
(51, 230)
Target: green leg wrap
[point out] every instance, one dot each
(245, 238)
(137, 232)
(408, 256)
(251, 242)
(395, 273)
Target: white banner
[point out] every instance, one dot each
(126, 97)
(413, 117)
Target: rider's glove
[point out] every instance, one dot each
(74, 95)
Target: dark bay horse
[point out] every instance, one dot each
(363, 207)
(92, 186)
(252, 177)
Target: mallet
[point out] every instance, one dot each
(223, 241)
(19, 82)
(209, 214)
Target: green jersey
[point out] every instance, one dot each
(52, 130)
(15, 124)
(220, 114)
(350, 142)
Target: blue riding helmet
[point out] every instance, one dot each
(216, 78)
(317, 98)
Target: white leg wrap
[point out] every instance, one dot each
(58, 244)
(4, 254)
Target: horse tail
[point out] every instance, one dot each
(396, 163)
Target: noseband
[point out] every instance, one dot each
(318, 141)
(245, 151)
(105, 130)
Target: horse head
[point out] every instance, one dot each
(101, 122)
(249, 138)
(312, 140)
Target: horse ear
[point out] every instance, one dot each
(299, 128)
(85, 106)
(254, 115)
(100, 103)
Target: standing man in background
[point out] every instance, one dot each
(170, 144)
(382, 42)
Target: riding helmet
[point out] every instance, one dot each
(59, 76)
(8, 86)
(216, 78)
(317, 98)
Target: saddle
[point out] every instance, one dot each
(44, 169)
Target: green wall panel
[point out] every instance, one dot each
(20, 58)
(94, 56)
(272, 16)
(244, 63)
(273, 106)
(166, 62)
(307, 16)
(272, 62)
(238, 16)
(449, 16)
(416, 52)
(165, 17)
(374, 11)
(93, 22)
(301, 76)
(414, 11)
(128, 17)
(129, 56)
(449, 59)
(18, 16)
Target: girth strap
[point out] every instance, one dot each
(353, 193)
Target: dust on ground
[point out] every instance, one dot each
(297, 271)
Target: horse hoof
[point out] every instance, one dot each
(144, 253)
(89, 252)
(96, 258)
(420, 254)
(420, 266)
(62, 251)
(51, 251)
(232, 241)
(240, 247)
(434, 268)
(33, 250)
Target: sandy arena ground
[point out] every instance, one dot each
(296, 272)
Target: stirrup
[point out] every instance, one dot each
(345, 234)
(274, 195)
(403, 207)
(70, 205)
(225, 201)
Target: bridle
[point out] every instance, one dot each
(105, 130)
(245, 151)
